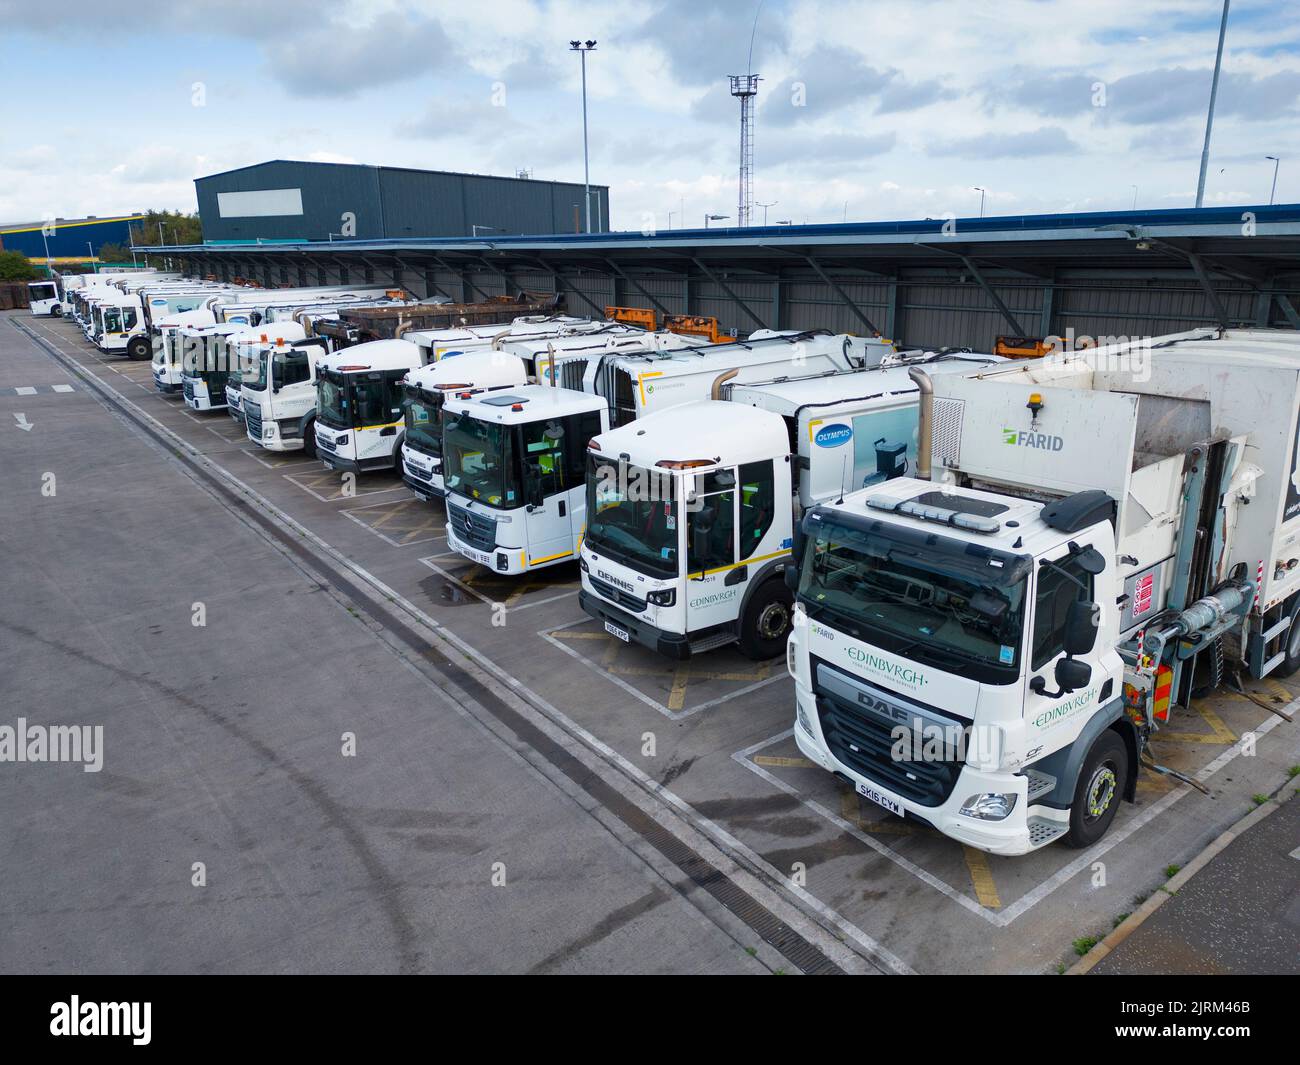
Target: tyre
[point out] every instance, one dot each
(139, 348)
(765, 624)
(309, 439)
(1101, 785)
(1291, 644)
(57, 312)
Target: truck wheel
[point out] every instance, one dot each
(765, 624)
(1292, 663)
(56, 311)
(139, 348)
(1097, 794)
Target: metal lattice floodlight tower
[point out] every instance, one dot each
(745, 86)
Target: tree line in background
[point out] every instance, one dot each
(177, 228)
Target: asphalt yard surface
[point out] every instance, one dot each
(225, 746)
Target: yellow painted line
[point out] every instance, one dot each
(783, 763)
(1221, 734)
(981, 878)
(565, 634)
(677, 696)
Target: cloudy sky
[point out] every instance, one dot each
(875, 110)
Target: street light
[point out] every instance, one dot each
(714, 218)
(1277, 161)
(765, 206)
(976, 188)
(490, 229)
(582, 48)
(1209, 115)
(1135, 196)
(785, 221)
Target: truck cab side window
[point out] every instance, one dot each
(1060, 584)
(757, 504)
(711, 526)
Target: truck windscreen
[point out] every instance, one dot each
(632, 515)
(954, 605)
(480, 461)
(423, 424)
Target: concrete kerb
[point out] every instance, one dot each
(1170, 888)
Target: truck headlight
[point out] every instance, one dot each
(991, 806)
(582, 564)
(802, 715)
(663, 597)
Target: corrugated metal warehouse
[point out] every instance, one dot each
(922, 283)
(288, 200)
(67, 238)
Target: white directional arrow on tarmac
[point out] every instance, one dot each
(23, 423)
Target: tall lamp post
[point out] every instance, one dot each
(1209, 116)
(1277, 161)
(582, 48)
(714, 218)
(981, 192)
(765, 206)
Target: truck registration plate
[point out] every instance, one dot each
(880, 799)
(614, 630)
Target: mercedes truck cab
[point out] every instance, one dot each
(359, 393)
(514, 469)
(425, 390)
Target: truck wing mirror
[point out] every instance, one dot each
(1081, 621)
(1090, 560)
(1071, 674)
(792, 577)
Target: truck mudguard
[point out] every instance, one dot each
(1066, 763)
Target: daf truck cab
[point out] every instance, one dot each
(43, 299)
(824, 434)
(513, 466)
(988, 646)
(425, 390)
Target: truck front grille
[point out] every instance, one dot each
(616, 595)
(187, 387)
(865, 743)
(417, 473)
(253, 420)
(478, 531)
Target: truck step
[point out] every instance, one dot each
(1040, 783)
(708, 643)
(1043, 831)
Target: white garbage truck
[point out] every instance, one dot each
(43, 299)
(620, 387)
(691, 511)
(362, 383)
(513, 358)
(987, 646)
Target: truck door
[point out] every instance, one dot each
(715, 579)
(547, 480)
(1052, 720)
